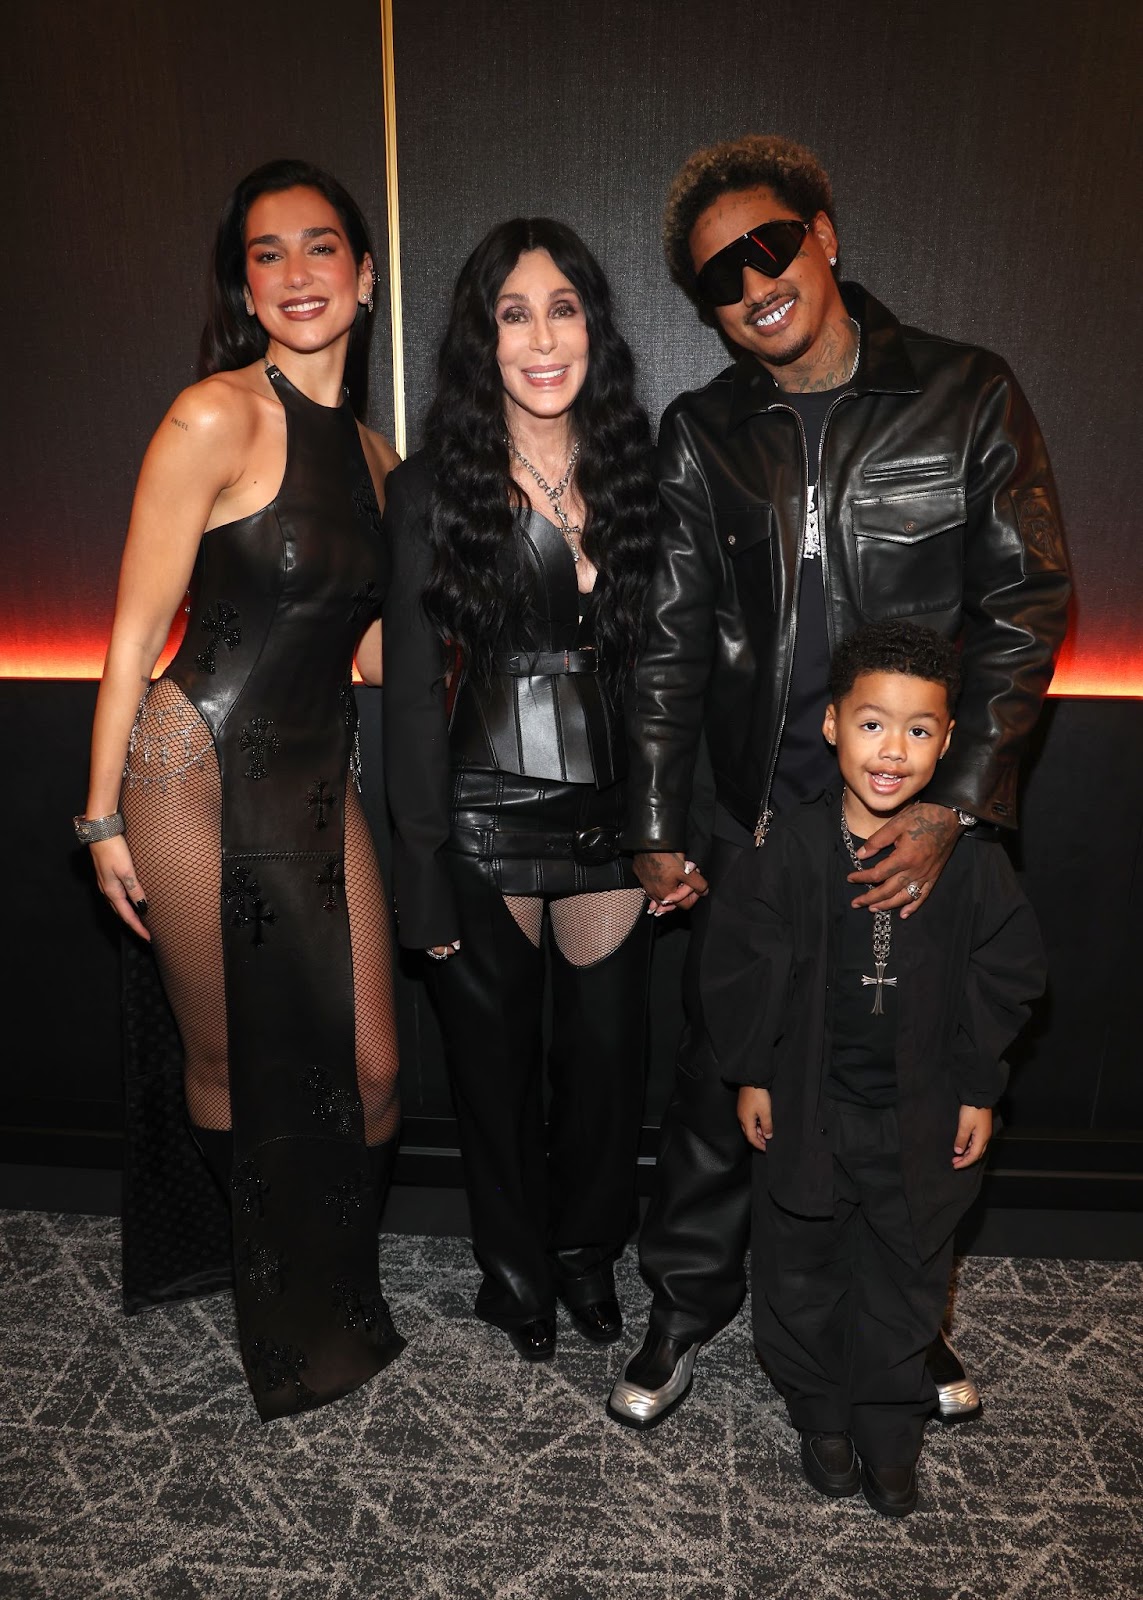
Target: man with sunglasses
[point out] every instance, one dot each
(843, 470)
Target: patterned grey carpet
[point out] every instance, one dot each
(132, 1463)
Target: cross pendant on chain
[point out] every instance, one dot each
(879, 982)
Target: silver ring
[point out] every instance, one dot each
(913, 890)
(434, 955)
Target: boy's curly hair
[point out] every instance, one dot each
(903, 647)
(794, 173)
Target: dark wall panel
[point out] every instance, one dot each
(127, 123)
(985, 157)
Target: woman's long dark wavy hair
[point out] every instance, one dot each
(232, 338)
(474, 497)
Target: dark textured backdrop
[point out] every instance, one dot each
(126, 124)
(986, 161)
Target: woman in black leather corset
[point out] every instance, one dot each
(246, 859)
(522, 547)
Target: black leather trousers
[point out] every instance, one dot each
(692, 1247)
(551, 1207)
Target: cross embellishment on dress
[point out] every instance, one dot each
(259, 738)
(223, 626)
(244, 896)
(331, 878)
(880, 982)
(322, 799)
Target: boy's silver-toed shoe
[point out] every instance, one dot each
(655, 1381)
(958, 1398)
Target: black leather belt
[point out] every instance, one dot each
(546, 663)
(589, 846)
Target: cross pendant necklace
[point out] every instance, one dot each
(571, 531)
(882, 931)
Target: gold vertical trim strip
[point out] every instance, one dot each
(389, 78)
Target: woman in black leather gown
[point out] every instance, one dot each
(246, 859)
(522, 545)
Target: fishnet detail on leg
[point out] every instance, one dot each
(370, 936)
(172, 805)
(528, 914)
(590, 927)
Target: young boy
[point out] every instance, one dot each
(869, 1053)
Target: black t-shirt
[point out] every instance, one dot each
(806, 764)
(862, 1068)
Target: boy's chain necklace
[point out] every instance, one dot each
(882, 928)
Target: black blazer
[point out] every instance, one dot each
(968, 966)
(547, 712)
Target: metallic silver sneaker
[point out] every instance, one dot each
(655, 1381)
(958, 1398)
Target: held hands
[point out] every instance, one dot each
(922, 837)
(672, 883)
(118, 884)
(755, 1117)
(973, 1131)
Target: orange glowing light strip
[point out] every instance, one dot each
(1107, 674)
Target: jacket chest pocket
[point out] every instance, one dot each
(910, 551)
(744, 534)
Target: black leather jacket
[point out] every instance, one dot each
(936, 504)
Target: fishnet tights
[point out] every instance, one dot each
(172, 805)
(587, 927)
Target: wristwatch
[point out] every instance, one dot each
(965, 818)
(90, 830)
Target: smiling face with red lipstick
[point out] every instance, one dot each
(302, 282)
(796, 324)
(542, 341)
(890, 730)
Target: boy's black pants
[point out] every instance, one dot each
(843, 1307)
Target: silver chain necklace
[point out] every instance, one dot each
(555, 493)
(882, 929)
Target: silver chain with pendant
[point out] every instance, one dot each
(882, 929)
(572, 531)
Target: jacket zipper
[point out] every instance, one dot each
(765, 815)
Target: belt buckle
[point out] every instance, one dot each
(594, 847)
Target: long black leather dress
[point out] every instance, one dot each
(279, 601)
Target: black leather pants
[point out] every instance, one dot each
(692, 1247)
(551, 1209)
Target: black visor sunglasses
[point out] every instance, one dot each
(769, 248)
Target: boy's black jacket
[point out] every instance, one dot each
(968, 965)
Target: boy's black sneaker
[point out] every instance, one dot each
(890, 1490)
(829, 1462)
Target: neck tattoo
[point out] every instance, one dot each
(571, 531)
(882, 929)
(856, 326)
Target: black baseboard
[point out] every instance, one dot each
(442, 1211)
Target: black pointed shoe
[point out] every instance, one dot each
(601, 1321)
(534, 1341)
(891, 1491)
(829, 1463)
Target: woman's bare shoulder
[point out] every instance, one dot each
(223, 400)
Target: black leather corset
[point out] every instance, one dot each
(547, 712)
